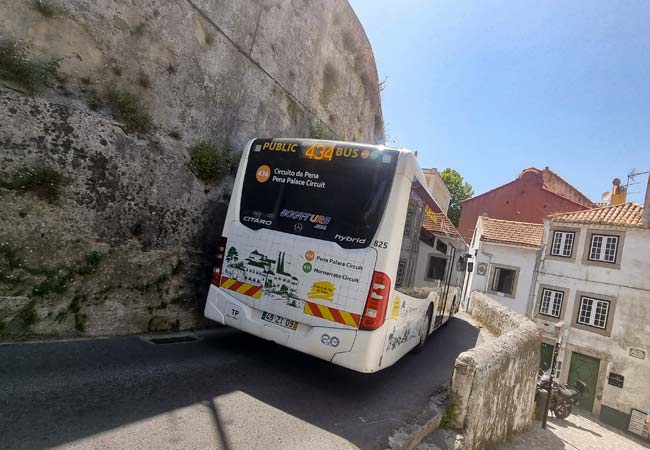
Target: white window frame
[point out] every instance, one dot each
(563, 241)
(551, 303)
(495, 278)
(590, 312)
(604, 252)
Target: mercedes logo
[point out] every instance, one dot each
(297, 227)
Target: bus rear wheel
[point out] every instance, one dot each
(425, 332)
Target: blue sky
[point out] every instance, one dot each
(492, 87)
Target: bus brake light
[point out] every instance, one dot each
(221, 252)
(374, 314)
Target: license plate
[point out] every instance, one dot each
(279, 320)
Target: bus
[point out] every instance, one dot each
(325, 250)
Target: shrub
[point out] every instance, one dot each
(209, 163)
(44, 182)
(16, 66)
(129, 109)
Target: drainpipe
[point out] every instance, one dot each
(531, 295)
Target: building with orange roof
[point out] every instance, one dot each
(592, 299)
(504, 260)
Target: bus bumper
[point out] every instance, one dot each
(316, 341)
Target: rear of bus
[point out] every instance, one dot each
(298, 258)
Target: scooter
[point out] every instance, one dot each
(562, 397)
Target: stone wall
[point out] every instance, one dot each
(493, 385)
(120, 235)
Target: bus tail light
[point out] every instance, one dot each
(221, 252)
(374, 314)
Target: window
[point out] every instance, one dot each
(593, 312)
(551, 304)
(441, 246)
(504, 280)
(408, 224)
(563, 243)
(436, 268)
(401, 267)
(603, 248)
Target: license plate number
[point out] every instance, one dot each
(279, 320)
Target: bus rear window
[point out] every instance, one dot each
(331, 191)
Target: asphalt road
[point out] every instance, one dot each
(227, 391)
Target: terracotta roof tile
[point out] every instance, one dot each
(439, 223)
(626, 215)
(509, 232)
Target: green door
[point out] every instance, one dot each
(545, 356)
(585, 368)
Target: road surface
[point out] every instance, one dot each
(226, 391)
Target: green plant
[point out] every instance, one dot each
(16, 66)
(129, 109)
(209, 163)
(44, 182)
(449, 417)
(56, 281)
(47, 9)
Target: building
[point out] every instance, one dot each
(437, 188)
(532, 196)
(504, 255)
(592, 295)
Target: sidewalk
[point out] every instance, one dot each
(577, 432)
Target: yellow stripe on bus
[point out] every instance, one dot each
(243, 288)
(348, 318)
(228, 283)
(324, 310)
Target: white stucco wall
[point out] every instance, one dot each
(437, 188)
(423, 263)
(521, 258)
(629, 286)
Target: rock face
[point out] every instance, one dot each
(104, 229)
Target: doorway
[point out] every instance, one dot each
(585, 368)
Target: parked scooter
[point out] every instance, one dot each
(562, 397)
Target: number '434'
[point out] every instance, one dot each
(320, 151)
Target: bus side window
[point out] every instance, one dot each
(414, 254)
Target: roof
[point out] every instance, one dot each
(625, 215)
(439, 223)
(550, 182)
(509, 232)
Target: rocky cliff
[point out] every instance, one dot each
(121, 125)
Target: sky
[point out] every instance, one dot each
(492, 87)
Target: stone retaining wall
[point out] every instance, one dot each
(493, 385)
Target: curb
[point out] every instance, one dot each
(411, 435)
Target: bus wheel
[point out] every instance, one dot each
(425, 331)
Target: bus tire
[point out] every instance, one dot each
(423, 338)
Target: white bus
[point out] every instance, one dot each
(319, 249)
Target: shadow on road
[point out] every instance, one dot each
(57, 393)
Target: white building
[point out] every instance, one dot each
(593, 291)
(437, 188)
(504, 258)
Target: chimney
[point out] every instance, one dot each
(619, 193)
(645, 215)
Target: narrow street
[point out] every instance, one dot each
(579, 431)
(227, 390)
